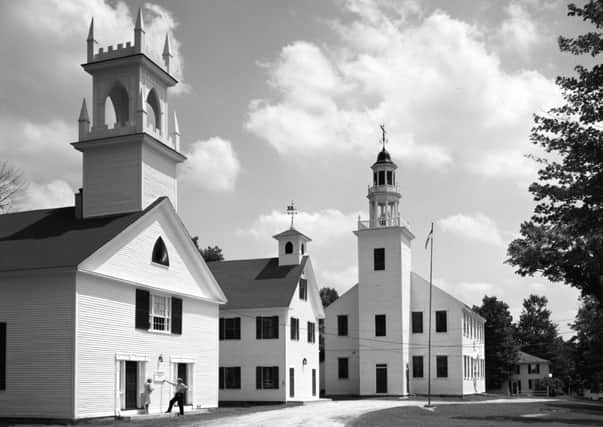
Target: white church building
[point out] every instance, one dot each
(269, 326)
(99, 297)
(376, 334)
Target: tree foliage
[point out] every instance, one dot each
(501, 350)
(11, 184)
(563, 240)
(536, 334)
(212, 253)
(328, 295)
(588, 342)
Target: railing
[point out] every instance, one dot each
(382, 188)
(380, 222)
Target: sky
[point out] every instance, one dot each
(282, 100)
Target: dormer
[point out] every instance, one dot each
(292, 246)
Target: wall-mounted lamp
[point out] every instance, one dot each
(305, 361)
(160, 358)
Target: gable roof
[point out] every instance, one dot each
(257, 283)
(530, 358)
(50, 238)
(292, 232)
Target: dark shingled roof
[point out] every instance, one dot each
(257, 283)
(51, 238)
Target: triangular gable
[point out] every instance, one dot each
(313, 290)
(128, 257)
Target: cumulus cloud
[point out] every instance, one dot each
(322, 226)
(443, 95)
(478, 227)
(56, 193)
(341, 280)
(211, 165)
(519, 32)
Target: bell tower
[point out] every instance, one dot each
(130, 155)
(384, 264)
(292, 245)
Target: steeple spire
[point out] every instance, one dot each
(383, 140)
(176, 133)
(139, 32)
(83, 121)
(90, 42)
(167, 52)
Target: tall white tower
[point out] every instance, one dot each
(384, 266)
(131, 161)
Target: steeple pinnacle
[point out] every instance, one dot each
(83, 122)
(90, 42)
(84, 112)
(176, 133)
(139, 32)
(167, 52)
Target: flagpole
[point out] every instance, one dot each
(429, 329)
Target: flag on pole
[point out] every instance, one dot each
(429, 236)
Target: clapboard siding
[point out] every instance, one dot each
(39, 312)
(106, 313)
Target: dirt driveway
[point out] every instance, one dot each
(329, 414)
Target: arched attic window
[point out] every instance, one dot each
(288, 248)
(153, 110)
(117, 106)
(160, 253)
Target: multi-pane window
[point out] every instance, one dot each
(342, 325)
(442, 366)
(160, 313)
(230, 377)
(266, 377)
(303, 289)
(417, 366)
(380, 330)
(533, 368)
(390, 178)
(381, 177)
(230, 329)
(342, 367)
(266, 327)
(379, 258)
(311, 332)
(441, 324)
(417, 322)
(294, 329)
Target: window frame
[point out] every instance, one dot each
(439, 368)
(378, 259)
(343, 369)
(160, 256)
(234, 328)
(412, 319)
(267, 323)
(166, 316)
(294, 325)
(380, 325)
(261, 381)
(340, 329)
(311, 332)
(437, 325)
(303, 289)
(422, 370)
(223, 374)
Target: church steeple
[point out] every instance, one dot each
(292, 245)
(383, 195)
(130, 154)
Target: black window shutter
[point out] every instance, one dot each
(275, 377)
(221, 328)
(143, 299)
(176, 316)
(258, 377)
(2, 356)
(237, 328)
(258, 328)
(221, 374)
(275, 325)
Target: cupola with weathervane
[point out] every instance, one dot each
(130, 154)
(292, 245)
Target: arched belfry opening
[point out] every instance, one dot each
(160, 253)
(153, 110)
(117, 106)
(289, 248)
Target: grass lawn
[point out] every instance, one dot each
(559, 413)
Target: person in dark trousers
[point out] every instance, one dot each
(178, 395)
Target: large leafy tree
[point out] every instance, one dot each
(588, 342)
(212, 253)
(501, 350)
(328, 295)
(564, 238)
